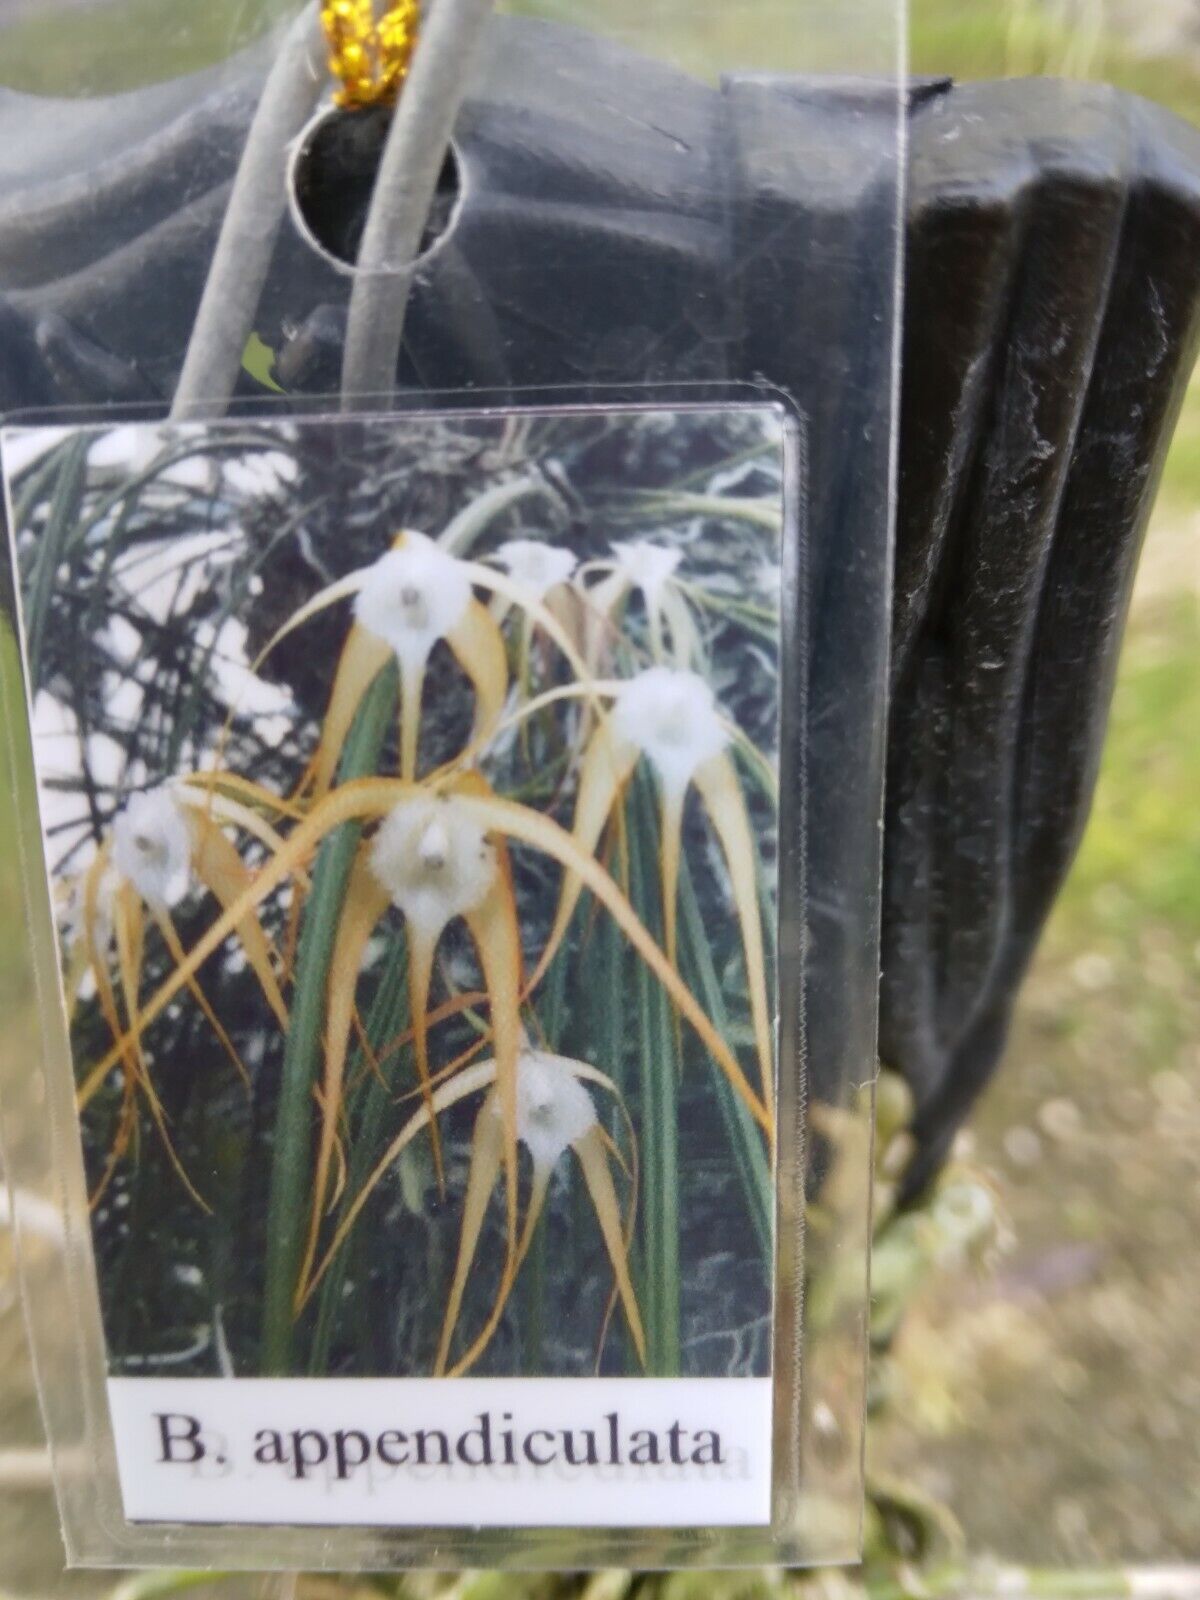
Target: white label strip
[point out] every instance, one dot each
(450, 1453)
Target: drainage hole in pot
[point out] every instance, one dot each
(333, 179)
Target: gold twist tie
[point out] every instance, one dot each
(370, 56)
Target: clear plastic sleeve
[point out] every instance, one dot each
(650, 334)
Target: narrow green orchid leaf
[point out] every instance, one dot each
(291, 1173)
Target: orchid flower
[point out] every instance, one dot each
(474, 819)
(414, 596)
(434, 861)
(672, 719)
(544, 572)
(164, 841)
(555, 1114)
(152, 848)
(641, 567)
(538, 567)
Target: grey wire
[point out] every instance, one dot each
(403, 197)
(404, 192)
(257, 204)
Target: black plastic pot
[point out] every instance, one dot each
(1052, 320)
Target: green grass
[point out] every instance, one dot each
(116, 44)
(1181, 483)
(980, 39)
(1141, 856)
(119, 44)
(1090, 1133)
(110, 45)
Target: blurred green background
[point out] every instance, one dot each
(1052, 1401)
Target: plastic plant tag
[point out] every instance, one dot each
(444, 666)
(416, 891)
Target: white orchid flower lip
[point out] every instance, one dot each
(152, 847)
(434, 860)
(649, 567)
(537, 566)
(413, 596)
(672, 717)
(554, 1110)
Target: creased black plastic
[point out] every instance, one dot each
(1054, 265)
(1006, 658)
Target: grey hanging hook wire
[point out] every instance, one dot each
(248, 236)
(405, 186)
(403, 198)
